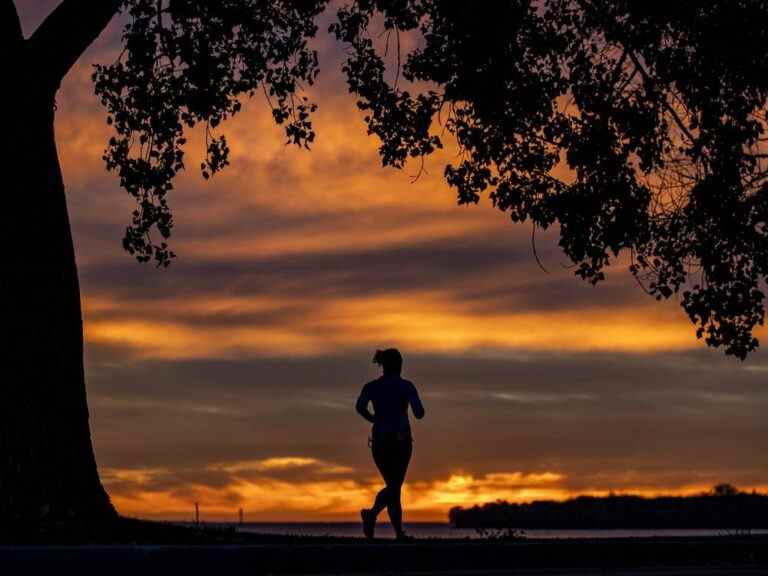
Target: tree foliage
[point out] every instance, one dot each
(636, 127)
(658, 110)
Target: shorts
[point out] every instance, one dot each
(392, 453)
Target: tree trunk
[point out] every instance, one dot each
(49, 483)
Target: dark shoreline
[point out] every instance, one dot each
(723, 507)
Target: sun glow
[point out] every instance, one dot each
(254, 486)
(309, 496)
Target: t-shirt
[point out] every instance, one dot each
(390, 396)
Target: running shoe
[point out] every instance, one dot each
(369, 522)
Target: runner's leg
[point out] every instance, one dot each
(381, 501)
(402, 455)
(383, 459)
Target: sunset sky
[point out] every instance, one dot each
(230, 378)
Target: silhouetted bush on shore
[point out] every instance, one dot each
(725, 508)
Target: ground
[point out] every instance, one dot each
(141, 548)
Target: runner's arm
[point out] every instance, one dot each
(416, 406)
(362, 405)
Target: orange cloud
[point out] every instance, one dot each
(279, 463)
(425, 321)
(371, 209)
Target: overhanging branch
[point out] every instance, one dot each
(66, 33)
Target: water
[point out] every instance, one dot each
(440, 530)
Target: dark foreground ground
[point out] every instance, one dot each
(186, 551)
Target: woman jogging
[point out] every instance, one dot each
(391, 437)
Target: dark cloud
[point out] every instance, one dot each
(570, 413)
(486, 275)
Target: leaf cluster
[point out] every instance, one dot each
(188, 63)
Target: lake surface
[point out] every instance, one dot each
(439, 530)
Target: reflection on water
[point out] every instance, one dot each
(438, 530)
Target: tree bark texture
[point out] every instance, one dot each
(49, 482)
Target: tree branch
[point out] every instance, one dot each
(66, 33)
(11, 36)
(587, 6)
(667, 106)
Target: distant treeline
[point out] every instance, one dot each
(723, 508)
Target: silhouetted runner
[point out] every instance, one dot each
(391, 440)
